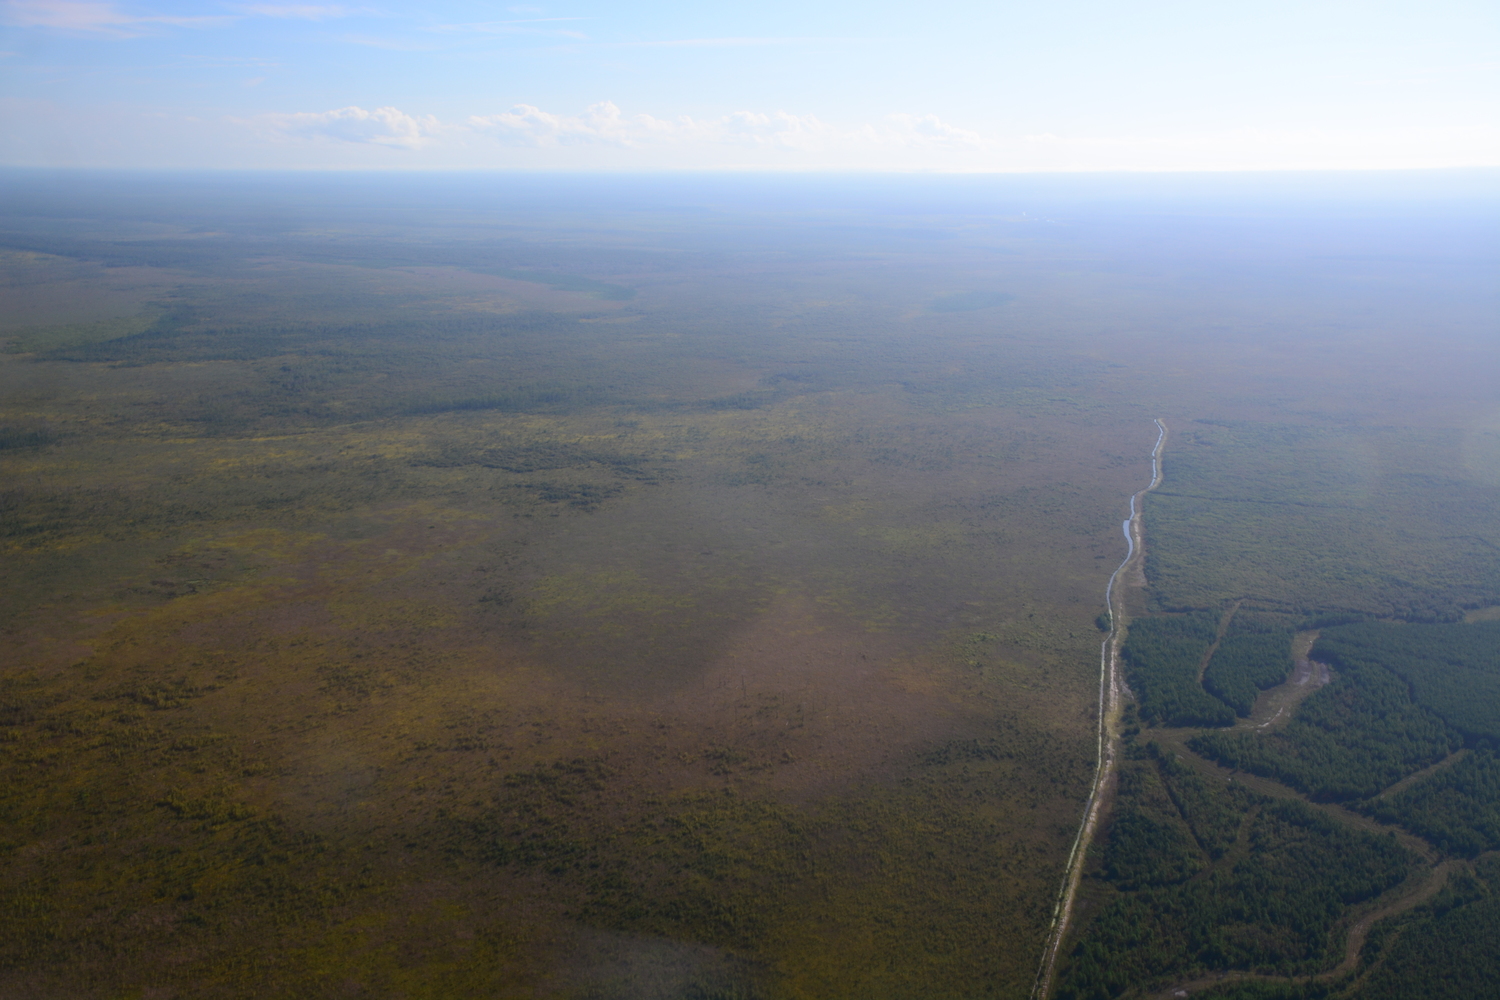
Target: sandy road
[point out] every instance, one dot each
(1109, 730)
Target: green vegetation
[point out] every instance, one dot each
(25, 437)
(1150, 842)
(613, 601)
(1317, 519)
(1444, 950)
(1405, 697)
(1245, 665)
(1359, 735)
(721, 867)
(1314, 523)
(1162, 655)
(1268, 901)
(727, 861)
(1311, 528)
(1453, 670)
(1263, 989)
(1458, 808)
(400, 615)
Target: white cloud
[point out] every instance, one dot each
(381, 127)
(93, 16)
(603, 137)
(605, 124)
(525, 125)
(930, 130)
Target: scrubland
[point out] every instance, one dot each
(516, 601)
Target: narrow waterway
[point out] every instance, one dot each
(1108, 735)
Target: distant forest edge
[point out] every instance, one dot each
(515, 261)
(1378, 541)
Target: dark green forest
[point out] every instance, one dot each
(1245, 665)
(1162, 655)
(1349, 740)
(1186, 855)
(1457, 809)
(1452, 670)
(1199, 877)
(1445, 950)
(1256, 534)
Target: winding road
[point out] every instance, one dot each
(1108, 737)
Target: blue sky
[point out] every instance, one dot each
(1070, 85)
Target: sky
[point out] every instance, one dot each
(1000, 86)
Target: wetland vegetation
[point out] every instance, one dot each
(626, 588)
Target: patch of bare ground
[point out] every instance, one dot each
(1275, 705)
